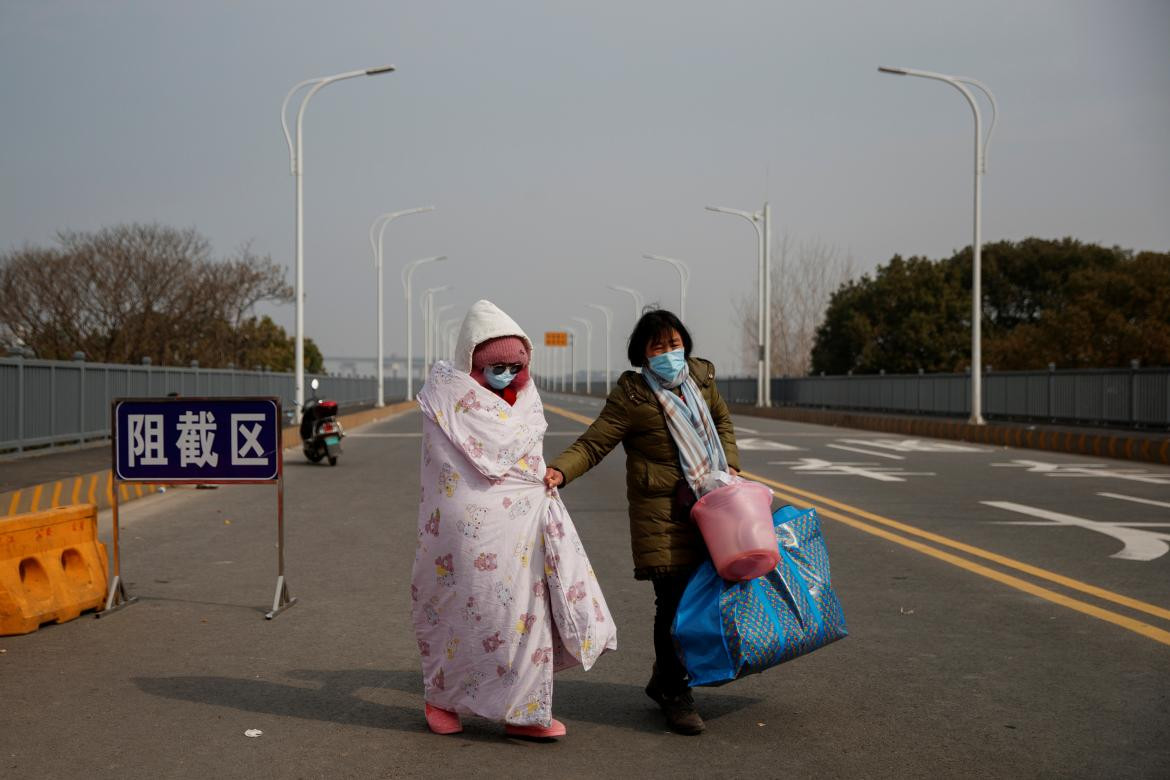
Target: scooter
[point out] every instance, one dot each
(321, 431)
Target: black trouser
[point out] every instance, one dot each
(668, 592)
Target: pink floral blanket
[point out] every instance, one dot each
(502, 592)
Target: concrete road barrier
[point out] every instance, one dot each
(52, 568)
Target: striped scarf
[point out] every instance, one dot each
(688, 419)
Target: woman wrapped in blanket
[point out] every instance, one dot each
(680, 443)
(502, 592)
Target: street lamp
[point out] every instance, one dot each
(588, 353)
(380, 223)
(981, 145)
(296, 165)
(427, 307)
(572, 360)
(436, 330)
(448, 329)
(762, 222)
(637, 296)
(407, 272)
(684, 277)
(608, 312)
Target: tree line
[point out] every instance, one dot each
(1073, 304)
(128, 292)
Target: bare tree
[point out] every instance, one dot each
(133, 291)
(804, 276)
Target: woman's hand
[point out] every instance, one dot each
(553, 478)
(732, 471)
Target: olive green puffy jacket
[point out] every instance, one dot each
(632, 416)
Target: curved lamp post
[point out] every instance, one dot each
(572, 361)
(588, 353)
(436, 330)
(296, 165)
(981, 145)
(637, 296)
(427, 309)
(761, 221)
(380, 224)
(608, 312)
(407, 272)
(684, 277)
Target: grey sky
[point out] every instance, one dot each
(561, 140)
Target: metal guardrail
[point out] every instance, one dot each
(50, 402)
(1102, 397)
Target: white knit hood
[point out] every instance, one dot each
(484, 321)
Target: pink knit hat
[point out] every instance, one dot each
(505, 349)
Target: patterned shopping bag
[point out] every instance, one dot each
(725, 630)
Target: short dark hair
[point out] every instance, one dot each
(652, 325)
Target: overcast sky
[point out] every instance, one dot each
(560, 141)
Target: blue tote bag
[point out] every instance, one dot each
(725, 630)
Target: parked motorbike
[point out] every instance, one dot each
(321, 431)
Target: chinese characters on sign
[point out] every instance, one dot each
(230, 440)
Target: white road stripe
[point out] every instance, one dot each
(866, 452)
(1139, 545)
(383, 435)
(418, 434)
(1135, 499)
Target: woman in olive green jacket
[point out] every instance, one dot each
(667, 546)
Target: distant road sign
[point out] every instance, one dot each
(556, 338)
(204, 440)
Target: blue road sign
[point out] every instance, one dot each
(197, 439)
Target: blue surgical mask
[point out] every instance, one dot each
(502, 380)
(669, 365)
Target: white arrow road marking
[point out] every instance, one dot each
(1135, 499)
(913, 445)
(414, 435)
(763, 444)
(1139, 545)
(865, 452)
(1086, 470)
(851, 469)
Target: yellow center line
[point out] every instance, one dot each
(571, 415)
(1137, 626)
(798, 496)
(1003, 560)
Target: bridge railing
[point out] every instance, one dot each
(1131, 398)
(1138, 397)
(51, 402)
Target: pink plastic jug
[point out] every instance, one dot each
(736, 523)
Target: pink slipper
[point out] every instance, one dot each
(554, 729)
(443, 721)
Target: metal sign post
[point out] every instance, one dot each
(118, 597)
(203, 441)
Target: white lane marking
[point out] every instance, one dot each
(865, 452)
(849, 469)
(414, 435)
(914, 445)
(417, 434)
(1086, 470)
(740, 429)
(1135, 499)
(1139, 545)
(763, 444)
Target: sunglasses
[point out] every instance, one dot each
(499, 368)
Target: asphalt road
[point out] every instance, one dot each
(978, 646)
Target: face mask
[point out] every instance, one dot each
(669, 365)
(501, 380)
